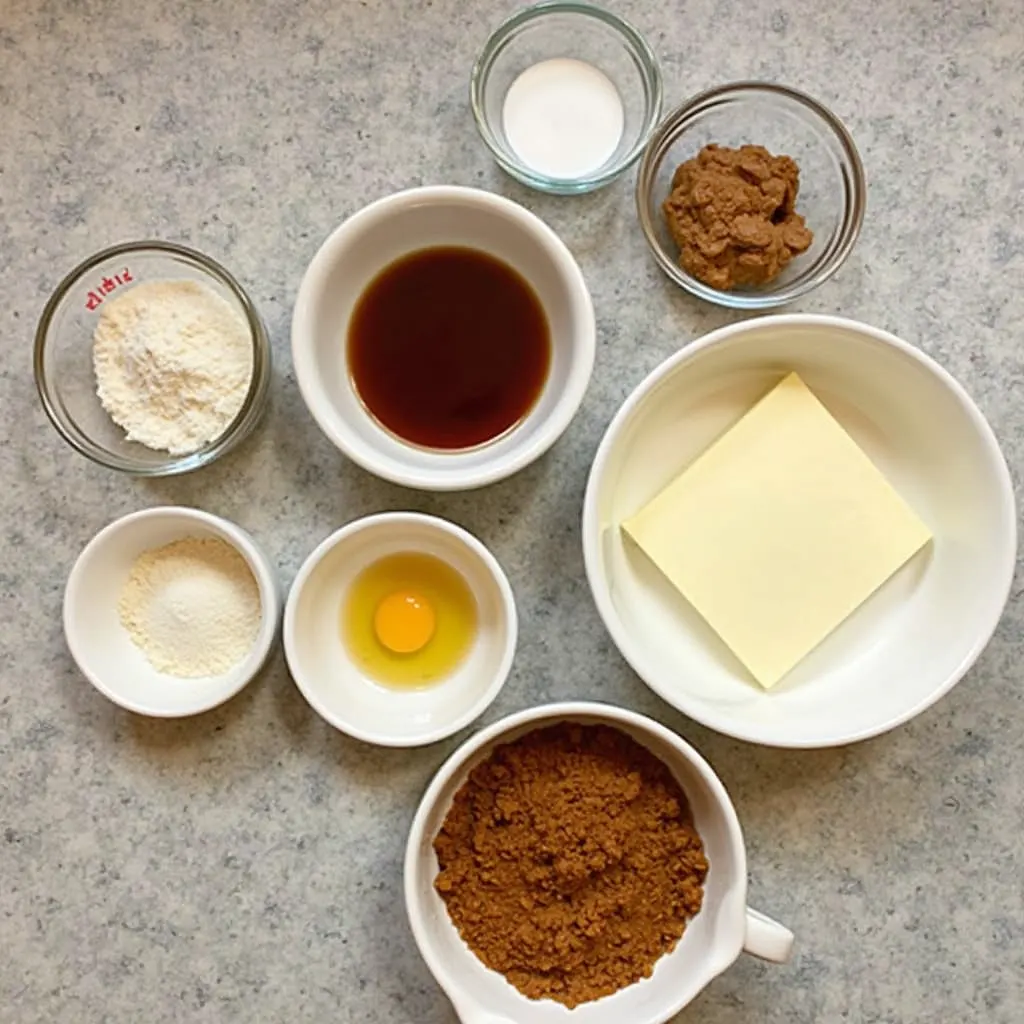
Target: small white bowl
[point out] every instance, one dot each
(338, 690)
(912, 640)
(724, 928)
(371, 240)
(102, 647)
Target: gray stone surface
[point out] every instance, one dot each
(245, 866)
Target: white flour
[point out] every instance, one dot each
(173, 363)
(193, 607)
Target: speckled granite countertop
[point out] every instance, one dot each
(245, 866)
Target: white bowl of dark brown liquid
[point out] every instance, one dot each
(443, 338)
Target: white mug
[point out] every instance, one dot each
(724, 928)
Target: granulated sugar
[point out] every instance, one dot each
(192, 606)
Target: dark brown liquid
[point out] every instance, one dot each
(449, 347)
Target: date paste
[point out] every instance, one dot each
(732, 214)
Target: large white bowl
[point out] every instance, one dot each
(713, 939)
(103, 648)
(339, 690)
(911, 641)
(375, 237)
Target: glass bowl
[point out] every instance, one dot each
(832, 193)
(63, 355)
(581, 32)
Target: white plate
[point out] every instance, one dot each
(912, 640)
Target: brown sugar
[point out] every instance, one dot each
(732, 214)
(569, 862)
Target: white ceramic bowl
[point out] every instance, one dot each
(375, 237)
(339, 690)
(714, 938)
(102, 647)
(912, 640)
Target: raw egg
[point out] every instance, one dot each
(404, 622)
(408, 619)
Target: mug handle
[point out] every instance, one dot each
(767, 939)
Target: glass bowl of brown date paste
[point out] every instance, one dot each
(750, 195)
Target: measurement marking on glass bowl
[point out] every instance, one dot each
(95, 298)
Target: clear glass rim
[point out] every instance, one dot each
(854, 195)
(236, 431)
(647, 63)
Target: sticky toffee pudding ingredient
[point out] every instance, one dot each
(732, 212)
(569, 862)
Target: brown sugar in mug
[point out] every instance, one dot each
(714, 938)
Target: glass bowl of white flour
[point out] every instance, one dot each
(151, 359)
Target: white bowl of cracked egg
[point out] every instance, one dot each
(151, 359)
(171, 611)
(344, 688)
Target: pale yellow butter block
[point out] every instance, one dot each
(779, 531)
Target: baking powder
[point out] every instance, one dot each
(192, 606)
(563, 118)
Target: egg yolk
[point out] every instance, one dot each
(404, 622)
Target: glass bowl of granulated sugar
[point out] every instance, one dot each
(151, 359)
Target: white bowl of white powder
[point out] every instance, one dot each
(171, 611)
(151, 359)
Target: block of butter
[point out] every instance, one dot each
(779, 530)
